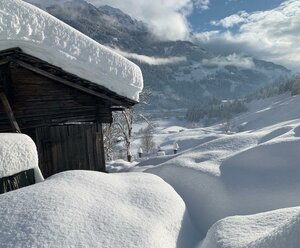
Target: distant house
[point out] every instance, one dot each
(58, 95)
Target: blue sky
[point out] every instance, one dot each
(219, 9)
(268, 30)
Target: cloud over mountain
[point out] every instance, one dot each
(231, 60)
(166, 19)
(271, 35)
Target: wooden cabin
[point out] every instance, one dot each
(60, 111)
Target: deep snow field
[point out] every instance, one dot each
(231, 182)
(92, 209)
(221, 190)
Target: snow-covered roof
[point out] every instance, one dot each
(43, 36)
(18, 153)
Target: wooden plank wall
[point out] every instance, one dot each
(70, 147)
(5, 83)
(39, 101)
(42, 108)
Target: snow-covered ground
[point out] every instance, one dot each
(92, 209)
(275, 229)
(247, 172)
(221, 190)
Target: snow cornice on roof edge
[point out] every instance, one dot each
(43, 36)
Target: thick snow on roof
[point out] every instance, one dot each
(45, 37)
(18, 153)
(93, 209)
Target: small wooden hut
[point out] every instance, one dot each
(60, 111)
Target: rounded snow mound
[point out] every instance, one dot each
(93, 209)
(272, 164)
(18, 153)
(276, 229)
(236, 175)
(43, 36)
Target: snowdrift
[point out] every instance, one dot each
(92, 209)
(18, 153)
(275, 229)
(47, 38)
(245, 173)
(196, 176)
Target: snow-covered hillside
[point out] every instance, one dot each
(248, 172)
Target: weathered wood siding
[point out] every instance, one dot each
(5, 88)
(42, 107)
(69, 147)
(39, 101)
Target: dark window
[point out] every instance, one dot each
(16, 181)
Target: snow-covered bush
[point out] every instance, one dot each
(18, 153)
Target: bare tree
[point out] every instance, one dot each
(147, 143)
(123, 123)
(110, 138)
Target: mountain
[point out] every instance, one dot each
(179, 73)
(106, 24)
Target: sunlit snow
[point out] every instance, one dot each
(47, 38)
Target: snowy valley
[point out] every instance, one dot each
(220, 190)
(229, 182)
(232, 182)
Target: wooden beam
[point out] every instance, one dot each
(9, 112)
(117, 109)
(5, 80)
(68, 83)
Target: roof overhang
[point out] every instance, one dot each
(29, 62)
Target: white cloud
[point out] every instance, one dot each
(232, 59)
(230, 21)
(271, 35)
(166, 18)
(202, 4)
(150, 60)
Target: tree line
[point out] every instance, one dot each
(216, 109)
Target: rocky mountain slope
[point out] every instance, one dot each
(180, 73)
